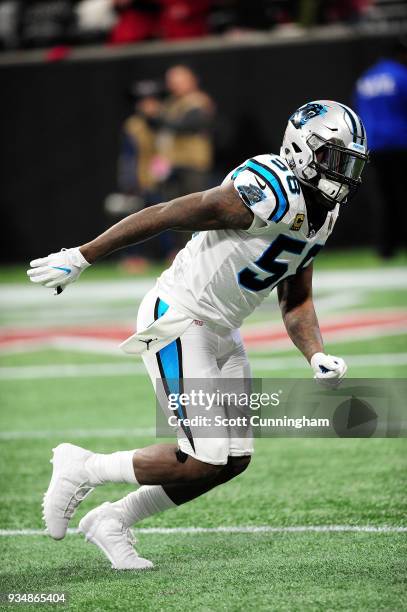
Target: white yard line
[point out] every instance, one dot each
(86, 292)
(354, 316)
(330, 337)
(334, 301)
(44, 434)
(137, 368)
(72, 371)
(355, 361)
(101, 291)
(64, 343)
(252, 529)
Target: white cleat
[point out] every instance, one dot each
(68, 487)
(104, 528)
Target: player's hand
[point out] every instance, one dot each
(58, 269)
(329, 370)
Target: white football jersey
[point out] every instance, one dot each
(223, 275)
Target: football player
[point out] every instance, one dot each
(260, 229)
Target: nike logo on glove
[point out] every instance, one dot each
(66, 270)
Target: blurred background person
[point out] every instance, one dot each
(139, 20)
(66, 23)
(9, 25)
(183, 19)
(183, 124)
(139, 174)
(138, 146)
(381, 101)
(168, 147)
(136, 21)
(94, 20)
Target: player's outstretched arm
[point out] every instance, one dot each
(217, 208)
(301, 322)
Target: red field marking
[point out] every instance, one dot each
(115, 332)
(361, 323)
(357, 323)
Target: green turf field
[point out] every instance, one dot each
(91, 395)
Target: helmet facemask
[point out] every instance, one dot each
(338, 168)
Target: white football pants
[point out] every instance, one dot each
(203, 351)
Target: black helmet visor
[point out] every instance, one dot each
(336, 161)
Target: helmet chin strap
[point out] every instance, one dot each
(333, 190)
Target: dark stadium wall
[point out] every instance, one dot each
(60, 128)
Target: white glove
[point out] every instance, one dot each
(58, 269)
(329, 370)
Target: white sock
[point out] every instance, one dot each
(116, 467)
(146, 501)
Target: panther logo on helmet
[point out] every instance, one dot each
(307, 112)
